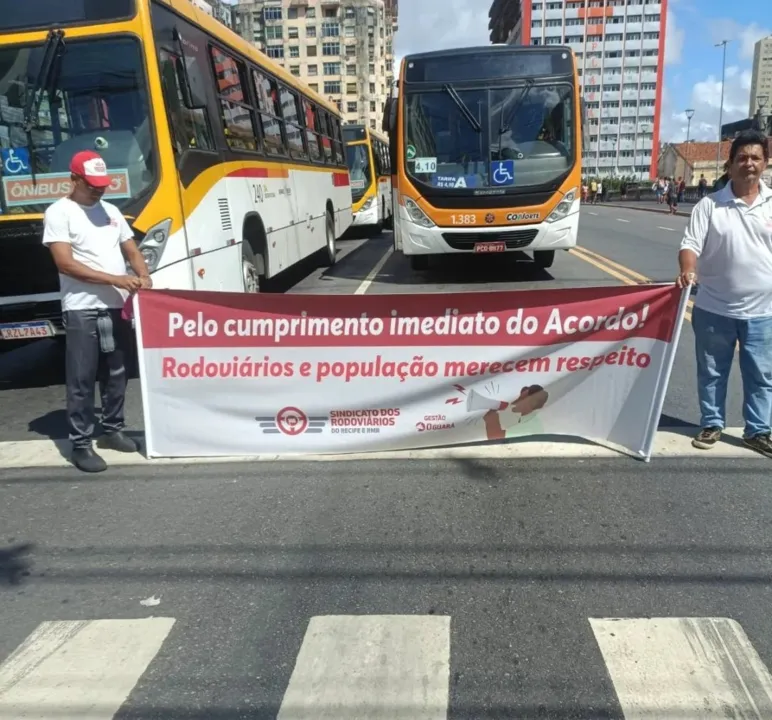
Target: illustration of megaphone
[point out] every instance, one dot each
(475, 401)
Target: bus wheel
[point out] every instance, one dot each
(544, 258)
(419, 262)
(331, 249)
(250, 273)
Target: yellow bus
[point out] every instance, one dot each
(228, 168)
(486, 147)
(370, 171)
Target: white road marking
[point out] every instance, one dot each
(371, 667)
(365, 286)
(69, 669)
(660, 227)
(669, 443)
(684, 667)
(622, 220)
(592, 213)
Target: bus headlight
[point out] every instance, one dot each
(153, 244)
(418, 216)
(367, 204)
(564, 206)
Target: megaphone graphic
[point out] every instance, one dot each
(475, 401)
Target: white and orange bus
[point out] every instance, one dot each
(486, 147)
(370, 170)
(228, 168)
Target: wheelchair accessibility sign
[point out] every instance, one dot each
(503, 172)
(15, 161)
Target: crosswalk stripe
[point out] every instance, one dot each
(72, 670)
(371, 667)
(683, 668)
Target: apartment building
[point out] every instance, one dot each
(218, 9)
(761, 80)
(343, 49)
(620, 51)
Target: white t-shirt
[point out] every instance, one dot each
(96, 234)
(733, 244)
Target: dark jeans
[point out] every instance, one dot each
(95, 352)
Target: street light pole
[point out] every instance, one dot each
(721, 108)
(689, 116)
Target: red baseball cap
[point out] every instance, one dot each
(91, 167)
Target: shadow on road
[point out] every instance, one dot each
(14, 565)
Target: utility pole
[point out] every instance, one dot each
(721, 108)
(689, 116)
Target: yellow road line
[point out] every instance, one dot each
(618, 271)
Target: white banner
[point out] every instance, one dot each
(242, 375)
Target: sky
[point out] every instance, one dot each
(692, 62)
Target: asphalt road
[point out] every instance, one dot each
(391, 590)
(642, 246)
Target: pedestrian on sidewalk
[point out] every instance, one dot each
(91, 243)
(728, 248)
(671, 193)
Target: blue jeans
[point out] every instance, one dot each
(715, 340)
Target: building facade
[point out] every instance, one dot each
(218, 9)
(620, 51)
(343, 49)
(761, 79)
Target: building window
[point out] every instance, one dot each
(295, 70)
(311, 50)
(311, 31)
(313, 70)
(332, 87)
(292, 14)
(292, 33)
(276, 52)
(272, 13)
(331, 49)
(330, 29)
(294, 51)
(351, 107)
(274, 32)
(351, 88)
(332, 68)
(351, 50)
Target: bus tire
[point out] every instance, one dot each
(419, 262)
(250, 272)
(331, 247)
(544, 258)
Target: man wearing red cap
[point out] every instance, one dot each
(91, 243)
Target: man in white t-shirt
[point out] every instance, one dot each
(728, 248)
(91, 243)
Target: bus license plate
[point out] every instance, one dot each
(25, 331)
(490, 247)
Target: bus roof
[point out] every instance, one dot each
(231, 39)
(489, 49)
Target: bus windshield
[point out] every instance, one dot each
(91, 96)
(510, 137)
(360, 172)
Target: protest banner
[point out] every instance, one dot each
(242, 375)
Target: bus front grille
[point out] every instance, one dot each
(26, 266)
(514, 239)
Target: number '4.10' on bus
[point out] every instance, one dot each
(228, 169)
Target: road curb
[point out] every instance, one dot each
(644, 209)
(671, 442)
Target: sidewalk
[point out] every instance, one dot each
(684, 209)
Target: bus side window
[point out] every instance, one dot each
(191, 129)
(312, 131)
(270, 113)
(289, 109)
(378, 160)
(337, 135)
(327, 141)
(238, 117)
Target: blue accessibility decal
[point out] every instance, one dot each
(503, 172)
(15, 161)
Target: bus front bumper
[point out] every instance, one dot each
(367, 215)
(417, 240)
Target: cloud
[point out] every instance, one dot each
(440, 24)
(674, 40)
(744, 36)
(705, 100)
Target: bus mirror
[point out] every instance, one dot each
(192, 83)
(385, 122)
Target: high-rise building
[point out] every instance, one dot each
(343, 49)
(218, 9)
(761, 80)
(620, 51)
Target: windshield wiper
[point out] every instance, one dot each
(465, 111)
(503, 127)
(53, 47)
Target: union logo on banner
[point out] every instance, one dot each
(291, 421)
